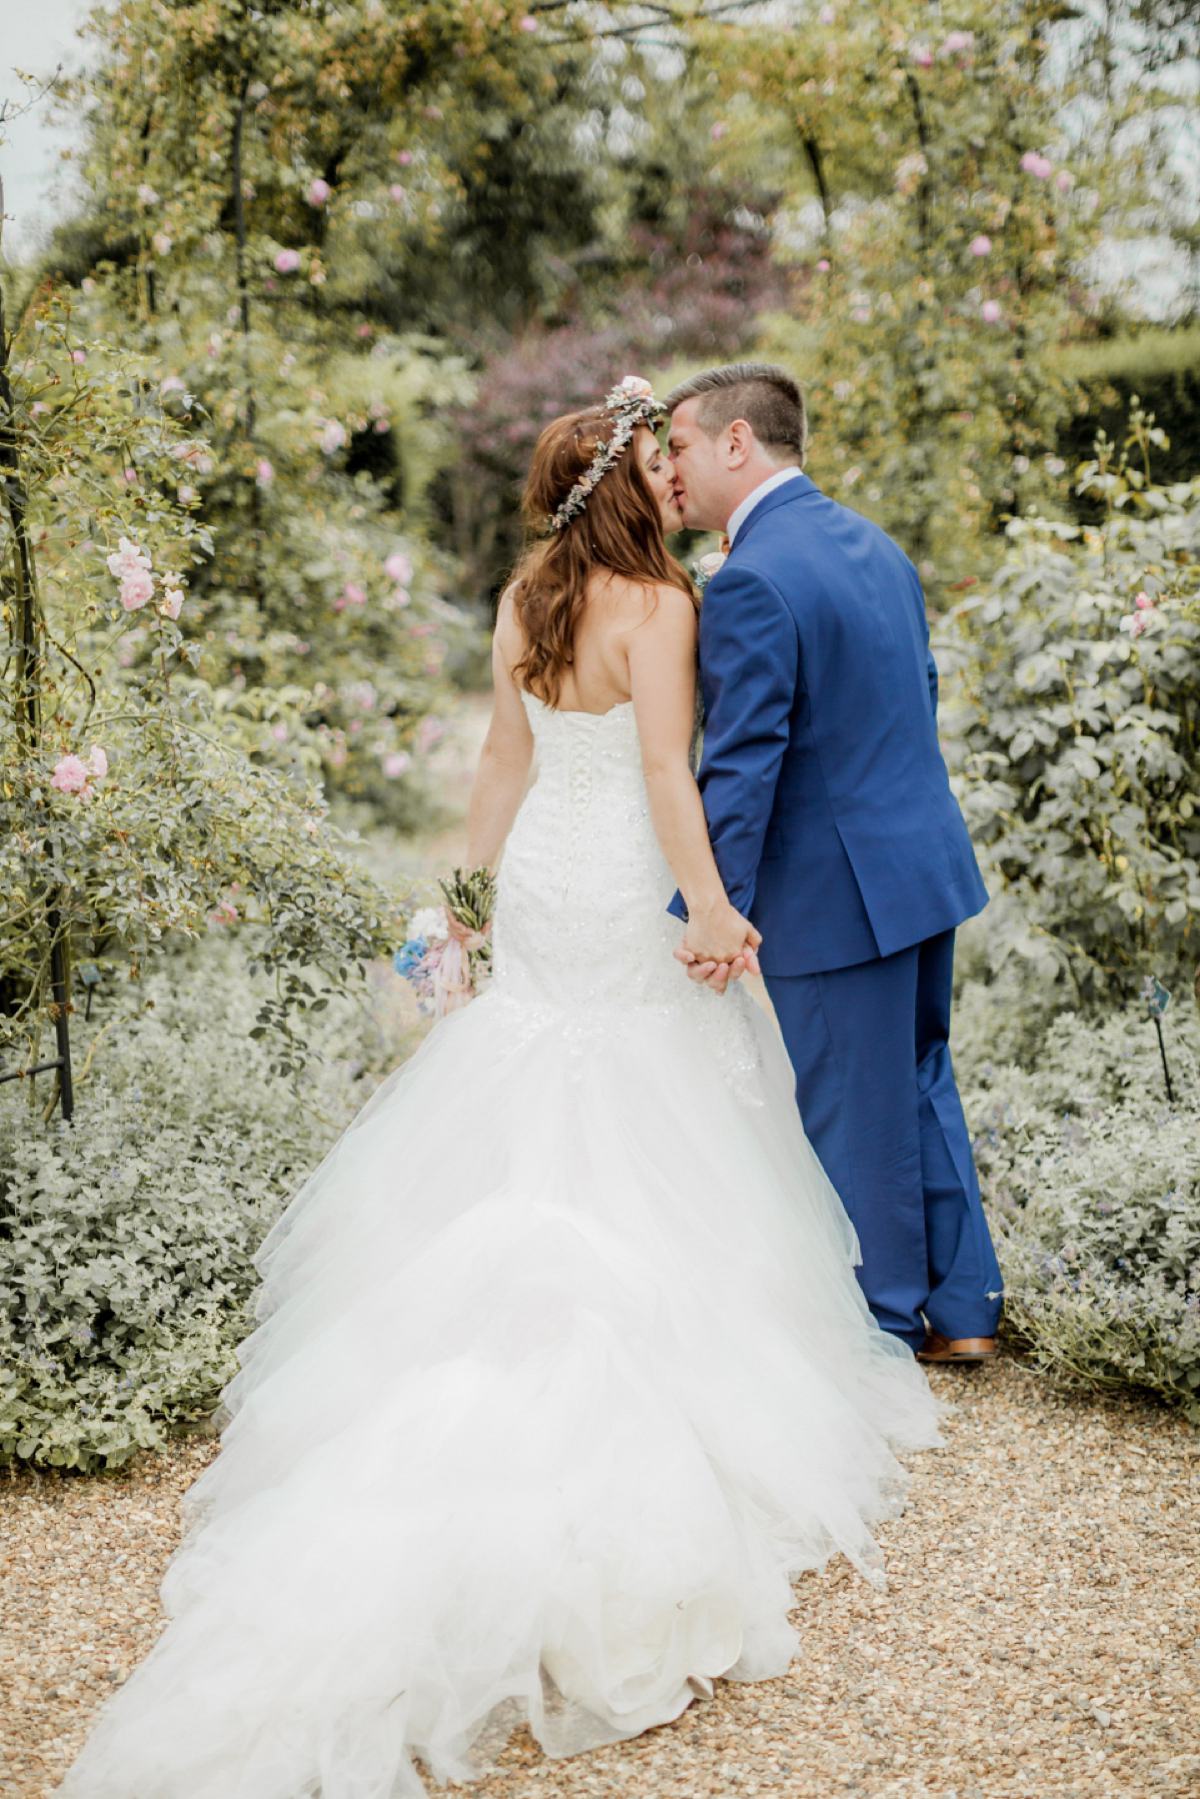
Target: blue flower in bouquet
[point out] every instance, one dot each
(408, 956)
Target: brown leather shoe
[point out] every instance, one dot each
(937, 1348)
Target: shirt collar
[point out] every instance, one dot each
(741, 513)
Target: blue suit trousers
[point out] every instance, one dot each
(876, 1091)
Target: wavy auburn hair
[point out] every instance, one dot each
(619, 530)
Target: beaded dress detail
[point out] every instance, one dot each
(562, 1371)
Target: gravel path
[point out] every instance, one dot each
(1039, 1638)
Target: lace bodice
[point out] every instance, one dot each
(581, 916)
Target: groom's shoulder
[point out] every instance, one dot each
(809, 533)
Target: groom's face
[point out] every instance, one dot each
(703, 479)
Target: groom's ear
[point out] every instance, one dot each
(740, 437)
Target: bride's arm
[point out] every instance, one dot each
(662, 681)
(504, 761)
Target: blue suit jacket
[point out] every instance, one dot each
(828, 803)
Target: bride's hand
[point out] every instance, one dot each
(464, 934)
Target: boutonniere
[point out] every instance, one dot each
(704, 570)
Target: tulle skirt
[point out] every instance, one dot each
(562, 1373)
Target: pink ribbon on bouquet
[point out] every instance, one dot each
(452, 988)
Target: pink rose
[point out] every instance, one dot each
(719, 130)
(395, 763)
(70, 775)
(922, 55)
(136, 589)
(264, 474)
(279, 733)
(528, 23)
(823, 265)
(404, 157)
(1033, 164)
(1144, 603)
(162, 243)
(318, 191)
(397, 192)
(398, 568)
(126, 559)
(354, 594)
(710, 563)
(172, 385)
(956, 41)
(78, 355)
(990, 312)
(287, 262)
(97, 763)
(333, 437)
(173, 603)
(636, 385)
(981, 245)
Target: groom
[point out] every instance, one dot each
(837, 835)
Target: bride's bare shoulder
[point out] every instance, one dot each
(632, 604)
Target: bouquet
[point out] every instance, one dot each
(446, 972)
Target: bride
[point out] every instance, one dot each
(562, 1369)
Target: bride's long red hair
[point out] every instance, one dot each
(619, 530)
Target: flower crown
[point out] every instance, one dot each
(634, 404)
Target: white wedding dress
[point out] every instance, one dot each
(562, 1371)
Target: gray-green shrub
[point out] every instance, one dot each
(126, 1240)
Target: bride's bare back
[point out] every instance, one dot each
(599, 676)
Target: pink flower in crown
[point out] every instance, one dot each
(70, 775)
(636, 386)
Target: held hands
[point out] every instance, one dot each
(719, 946)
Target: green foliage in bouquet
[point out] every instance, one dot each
(1070, 718)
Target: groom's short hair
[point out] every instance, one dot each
(762, 393)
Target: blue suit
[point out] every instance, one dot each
(836, 833)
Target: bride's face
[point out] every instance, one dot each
(660, 479)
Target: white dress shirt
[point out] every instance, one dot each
(740, 514)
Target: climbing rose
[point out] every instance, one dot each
(136, 589)
(97, 763)
(70, 775)
(287, 262)
(990, 311)
(126, 559)
(398, 568)
(1033, 164)
(981, 245)
(318, 192)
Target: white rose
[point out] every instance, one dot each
(429, 924)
